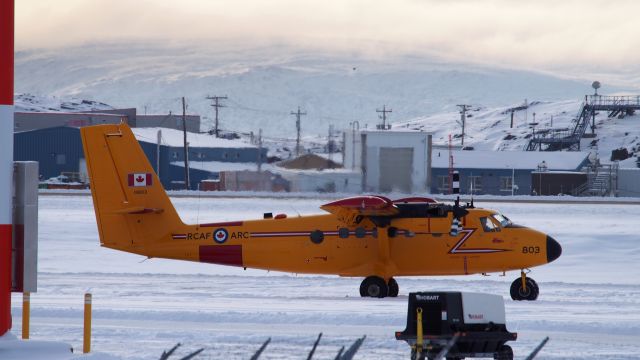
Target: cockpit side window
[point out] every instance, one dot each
(488, 225)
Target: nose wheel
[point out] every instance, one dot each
(375, 286)
(524, 288)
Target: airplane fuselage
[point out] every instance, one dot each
(321, 244)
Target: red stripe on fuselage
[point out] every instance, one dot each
(221, 254)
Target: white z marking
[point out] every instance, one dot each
(467, 234)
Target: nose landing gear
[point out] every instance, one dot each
(524, 288)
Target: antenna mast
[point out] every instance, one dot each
(450, 166)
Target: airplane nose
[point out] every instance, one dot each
(554, 250)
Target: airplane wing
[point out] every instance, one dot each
(415, 200)
(348, 209)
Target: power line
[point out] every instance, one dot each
(216, 104)
(239, 106)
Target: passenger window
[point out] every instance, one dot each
(360, 232)
(343, 233)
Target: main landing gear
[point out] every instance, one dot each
(375, 286)
(524, 288)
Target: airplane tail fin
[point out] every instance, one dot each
(132, 209)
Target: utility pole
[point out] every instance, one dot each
(158, 153)
(215, 102)
(384, 112)
(298, 114)
(355, 127)
(511, 119)
(450, 166)
(186, 149)
(463, 118)
(330, 144)
(260, 150)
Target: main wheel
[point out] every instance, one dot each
(394, 289)
(530, 293)
(374, 286)
(505, 353)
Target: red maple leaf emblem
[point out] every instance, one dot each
(139, 178)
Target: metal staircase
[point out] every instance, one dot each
(601, 181)
(569, 139)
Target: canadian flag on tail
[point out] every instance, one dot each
(140, 179)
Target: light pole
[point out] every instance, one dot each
(355, 126)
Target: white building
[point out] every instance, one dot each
(390, 160)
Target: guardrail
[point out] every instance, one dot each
(623, 100)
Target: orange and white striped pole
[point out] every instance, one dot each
(6, 158)
(86, 338)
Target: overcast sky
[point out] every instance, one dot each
(546, 35)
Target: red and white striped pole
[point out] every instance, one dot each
(6, 158)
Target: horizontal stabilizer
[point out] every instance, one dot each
(139, 210)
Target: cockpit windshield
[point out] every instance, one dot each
(502, 220)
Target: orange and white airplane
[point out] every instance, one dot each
(364, 236)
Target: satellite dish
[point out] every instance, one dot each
(596, 86)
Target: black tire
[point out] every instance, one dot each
(504, 353)
(536, 287)
(394, 289)
(518, 293)
(374, 286)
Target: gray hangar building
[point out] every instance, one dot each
(59, 151)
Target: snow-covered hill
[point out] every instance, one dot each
(265, 84)
(489, 128)
(29, 102)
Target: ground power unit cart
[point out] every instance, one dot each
(456, 325)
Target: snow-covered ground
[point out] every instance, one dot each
(589, 303)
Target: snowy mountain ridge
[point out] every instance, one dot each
(264, 85)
